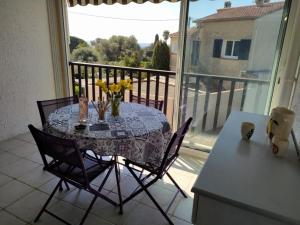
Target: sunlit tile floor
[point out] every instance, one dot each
(24, 187)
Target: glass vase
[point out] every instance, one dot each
(115, 106)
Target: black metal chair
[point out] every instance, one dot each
(152, 103)
(69, 165)
(157, 172)
(47, 107)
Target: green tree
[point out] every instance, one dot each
(161, 56)
(119, 49)
(85, 54)
(156, 39)
(166, 34)
(76, 42)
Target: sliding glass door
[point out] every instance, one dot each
(230, 56)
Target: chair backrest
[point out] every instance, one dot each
(174, 144)
(153, 103)
(60, 151)
(49, 106)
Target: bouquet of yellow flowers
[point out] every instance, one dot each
(115, 92)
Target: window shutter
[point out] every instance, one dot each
(217, 48)
(244, 49)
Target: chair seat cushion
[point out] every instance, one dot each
(93, 169)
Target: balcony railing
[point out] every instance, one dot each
(147, 83)
(201, 103)
(209, 99)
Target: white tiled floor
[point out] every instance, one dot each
(24, 187)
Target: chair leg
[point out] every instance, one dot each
(141, 174)
(60, 188)
(105, 179)
(151, 197)
(118, 185)
(174, 182)
(88, 210)
(48, 201)
(95, 197)
(67, 186)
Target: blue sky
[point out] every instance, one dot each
(141, 20)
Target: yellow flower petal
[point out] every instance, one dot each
(99, 83)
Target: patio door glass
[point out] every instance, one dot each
(230, 57)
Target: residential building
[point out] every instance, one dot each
(231, 42)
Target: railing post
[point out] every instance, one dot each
(86, 82)
(122, 78)
(100, 78)
(148, 89)
(139, 86)
(166, 94)
(208, 88)
(195, 105)
(130, 92)
(73, 78)
(220, 86)
(156, 89)
(231, 94)
(244, 96)
(185, 96)
(93, 82)
(115, 76)
(79, 80)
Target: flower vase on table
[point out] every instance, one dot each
(114, 93)
(115, 106)
(101, 108)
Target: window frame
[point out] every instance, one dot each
(224, 47)
(194, 53)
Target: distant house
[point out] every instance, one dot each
(192, 48)
(238, 41)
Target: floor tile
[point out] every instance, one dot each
(67, 212)
(161, 195)
(4, 179)
(19, 168)
(20, 159)
(177, 221)
(110, 183)
(144, 215)
(184, 209)
(12, 191)
(79, 198)
(50, 185)
(94, 220)
(7, 158)
(10, 144)
(8, 219)
(26, 137)
(46, 219)
(35, 157)
(24, 150)
(29, 206)
(36, 177)
(128, 184)
(110, 213)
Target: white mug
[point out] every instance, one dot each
(280, 122)
(247, 130)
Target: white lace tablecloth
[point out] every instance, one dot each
(140, 133)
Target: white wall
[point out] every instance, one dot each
(264, 41)
(25, 64)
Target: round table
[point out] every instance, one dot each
(140, 133)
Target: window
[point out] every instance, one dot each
(195, 52)
(231, 49)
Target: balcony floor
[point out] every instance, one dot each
(24, 187)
